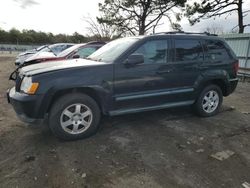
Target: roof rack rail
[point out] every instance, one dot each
(188, 33)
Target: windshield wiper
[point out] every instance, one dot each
(98, 60)
(51, 50)
(88, 58)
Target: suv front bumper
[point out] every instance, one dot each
(25, 106)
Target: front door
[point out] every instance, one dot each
(145, 84)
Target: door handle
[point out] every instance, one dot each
(164, 71)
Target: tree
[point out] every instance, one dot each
(77, 38)
(216, 8)
(101, 31)
(4, 36)
(15, 36)
(137, 16)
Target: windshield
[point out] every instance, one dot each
(40, 48)
(56, 48)
(69, 50)
(46, 49)
(112, 50)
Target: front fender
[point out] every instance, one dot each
(102, 96)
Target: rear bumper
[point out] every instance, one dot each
(233, 85)
(25, 106)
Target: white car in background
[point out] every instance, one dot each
(82, 50)
(49, 50)
(24, 55)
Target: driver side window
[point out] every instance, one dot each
(154, 51)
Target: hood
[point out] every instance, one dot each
(27, 52)
(32, 51)
(21, 59)
(57, 65)
(40, 55)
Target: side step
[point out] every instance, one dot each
(143, 109)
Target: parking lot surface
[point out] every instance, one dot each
(166, 148)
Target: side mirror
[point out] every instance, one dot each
(134, 59)
(76, 56)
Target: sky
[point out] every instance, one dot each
(58, 16)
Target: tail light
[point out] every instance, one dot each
(236, 67)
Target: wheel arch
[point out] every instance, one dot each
(91, 92)
(219, 78)
(221, 83)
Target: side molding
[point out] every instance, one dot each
(158, 107)
(153, 94)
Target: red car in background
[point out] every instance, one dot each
(77, 51)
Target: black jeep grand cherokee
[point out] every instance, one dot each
(127, 75)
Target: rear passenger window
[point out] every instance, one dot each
(216, 51)
(154, 51)
(188, 50)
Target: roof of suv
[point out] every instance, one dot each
(186, 33)
(182, 34)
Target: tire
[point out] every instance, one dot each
(209, 101)
(74, 116)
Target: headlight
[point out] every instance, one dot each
(28, 86)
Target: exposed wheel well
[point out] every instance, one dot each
(88, 91)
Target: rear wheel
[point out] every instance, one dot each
(209, 101)
(74, 116)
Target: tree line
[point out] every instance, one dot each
(27, 37)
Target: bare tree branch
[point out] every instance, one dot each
(100, 30)
(216, 8)
(137, 16)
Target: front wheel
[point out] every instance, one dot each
(74, 116)
(209, 101)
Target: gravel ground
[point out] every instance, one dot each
(166, 148)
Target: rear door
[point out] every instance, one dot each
(188, 57)
(217, 56)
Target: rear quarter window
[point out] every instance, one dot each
(216, 50)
